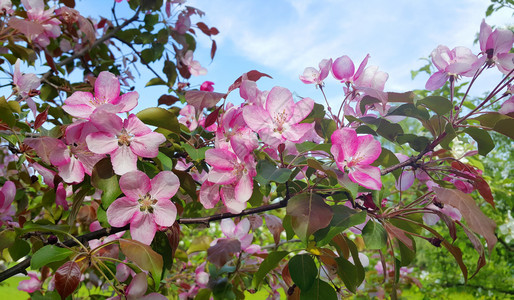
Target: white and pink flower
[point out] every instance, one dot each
(355, 154)
(146, 204)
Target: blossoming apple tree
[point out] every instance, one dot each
(95, 194)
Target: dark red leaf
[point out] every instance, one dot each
(213, 49)
(214, 31)
(204, 28)
(203, 99)
(253, 75)
(173, 235)
(167, 100)
(102, 23)
(222, 252)
(67, 278)
(69, 3)
(483, 188)
(50, 62)
(212, 117)
(41, 119)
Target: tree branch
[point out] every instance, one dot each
(85, 50)
(23, 265)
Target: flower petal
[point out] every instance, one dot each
(123, 160)
(135, 184)
(143, 228)
(164, 185)
(367, 176)
(121, 211)
(107, 87)
(165, 213)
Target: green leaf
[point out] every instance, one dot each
(407, 97)
(389, 130)
(200, 243)
(348, 273)
(171, 72)
(161, 245)
(19, 249)
(6, 114)
(319, 290)
(310, 146)
(159, 117)
(505, 127)
(410, 110)
(483, 139)
(267, 171)
(303, 271)
(143, 256)
(440, 105)
(343, 218)
(104, 178)
(309, 213)
(7, 239)
(406, 255)
(156, 81)
(288, 227)
(374, 235)
(387, 159)
(450, 135)
(418, 143)
(194, 153)
(48, 254)
(268, 264)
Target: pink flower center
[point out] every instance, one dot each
(279, 119)
(146, 203)
(124, 138)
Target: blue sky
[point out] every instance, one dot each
(282, 37)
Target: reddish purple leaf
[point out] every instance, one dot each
(222, 252)
(212, 117)
(213, 49)
(214, 31)
(274, 225)
(173, 235)
(167, 100)
(204, 28)
(41, 119)
(475, 218)
(67, 278)
(253, 75)
(203, 99)
(309, 213)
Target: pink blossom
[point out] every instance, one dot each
(193, 66)
(241, 233)
(7, 193)
(357, 153)
(123, 140)
(231, 179)
(146, 204)
(201, 277)
(451, 63)
(98, 242)
(183, 23)
(279, 120)
(343, 69)
(253, 96)
(406, 179)
(137, 288)
(107, 90)
(495, 46)
(30, 285)
(507, 106)
(311, 75)
(207, 86)
(25, 85)
(432, 218)
(372, 78)
(188, 117)
(37, 14)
